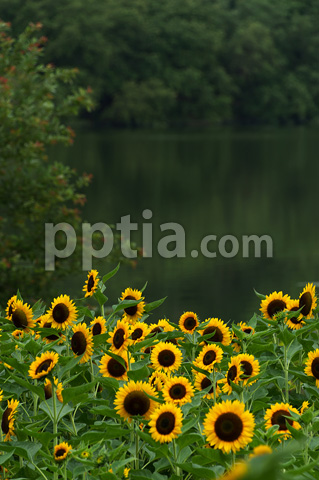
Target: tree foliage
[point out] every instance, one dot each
(186, 61)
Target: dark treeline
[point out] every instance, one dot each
(194, 62)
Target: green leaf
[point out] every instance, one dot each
(101, 338)
(140, 374)
(29, 386)
(100, 297)
(70, 363)
(197, 470)
(110, 274)
(260, 295)
(125, 304)
(72, 394)
(110, 432)
(151, 306)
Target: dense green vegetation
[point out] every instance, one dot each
(181, 62)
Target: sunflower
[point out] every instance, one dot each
(45, 322)
(61, 450)
(63, 312)
(219, 331)
(237, 472)
(250, 367)
(154, 328)
(295, 322)
(82, 342)
(48, 389)
(134, 313)
(308, 300)
(8, 419)
(126, 472)
(188, 322)
(119, 338)
(131, 400)
(167, 327)
(209, 356)
(233, 374)
(158, 380)
(202, 382)
(22, 316)
(1, 395)
(113, 368)
(10, 306)
(166, 423)
(228, 426)
(246, 328)
(178, 390)
(85, 454)
(261, 450)
(166, 356)
(98, 326)
(312, 365)
(138, 332)
(18, 334)
(43, 365)
(277, 415)
(273, 304)
(304, 406)
(91, 283)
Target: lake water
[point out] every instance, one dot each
(224, 182)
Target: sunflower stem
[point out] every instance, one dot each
(137, 466)
(92, 376)
(286, 365)
(177, 469)
(35, 401)
(55, 423)
(65, 474)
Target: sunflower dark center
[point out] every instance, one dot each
(275, 306)
(155, 330)
(97, 329)
(44, 366)
(177, 391)
(50, 337)
(138, 332)
(189, 323)
(48, 391)
(130, 310)
(19, 318)
(5, 420)
(228, 427)
(115, 368)
(165, 423)
(90, 283)
(60, 313)
(247, 367)
(118, 338)
(315, 367)
(78, 343)
(231, 374)
(279, 419)
(166, 358)
(216, 337)
(247, 330)
(305, 302)
(136, 403)
(209, 357)
(60, 452)
(205, 383)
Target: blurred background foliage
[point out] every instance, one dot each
(186, 62)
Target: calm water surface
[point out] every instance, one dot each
(223, 182)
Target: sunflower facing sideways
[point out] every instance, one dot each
(138, 332)
(8, 419)
(166, 357)
(312, 365)
(218, 330)
(277, 415)
(22, 316)
(131, 400)
(91, 283)
(188, 322)
(178, 390)
(134, 313)
(110, 367)
(43, 365)
(295, 322)
(233, 374)
(120, 337)
(166, 423)
(61, 451)
(48, 389)
(208, 357)
(45, 323)
(62, 313)
(98, 326)
(228, 426)
(82, 342)
(250, 367)
(308, 300)
(274, 304)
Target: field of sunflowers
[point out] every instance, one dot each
(90, 391)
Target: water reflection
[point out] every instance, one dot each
(224, 182)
